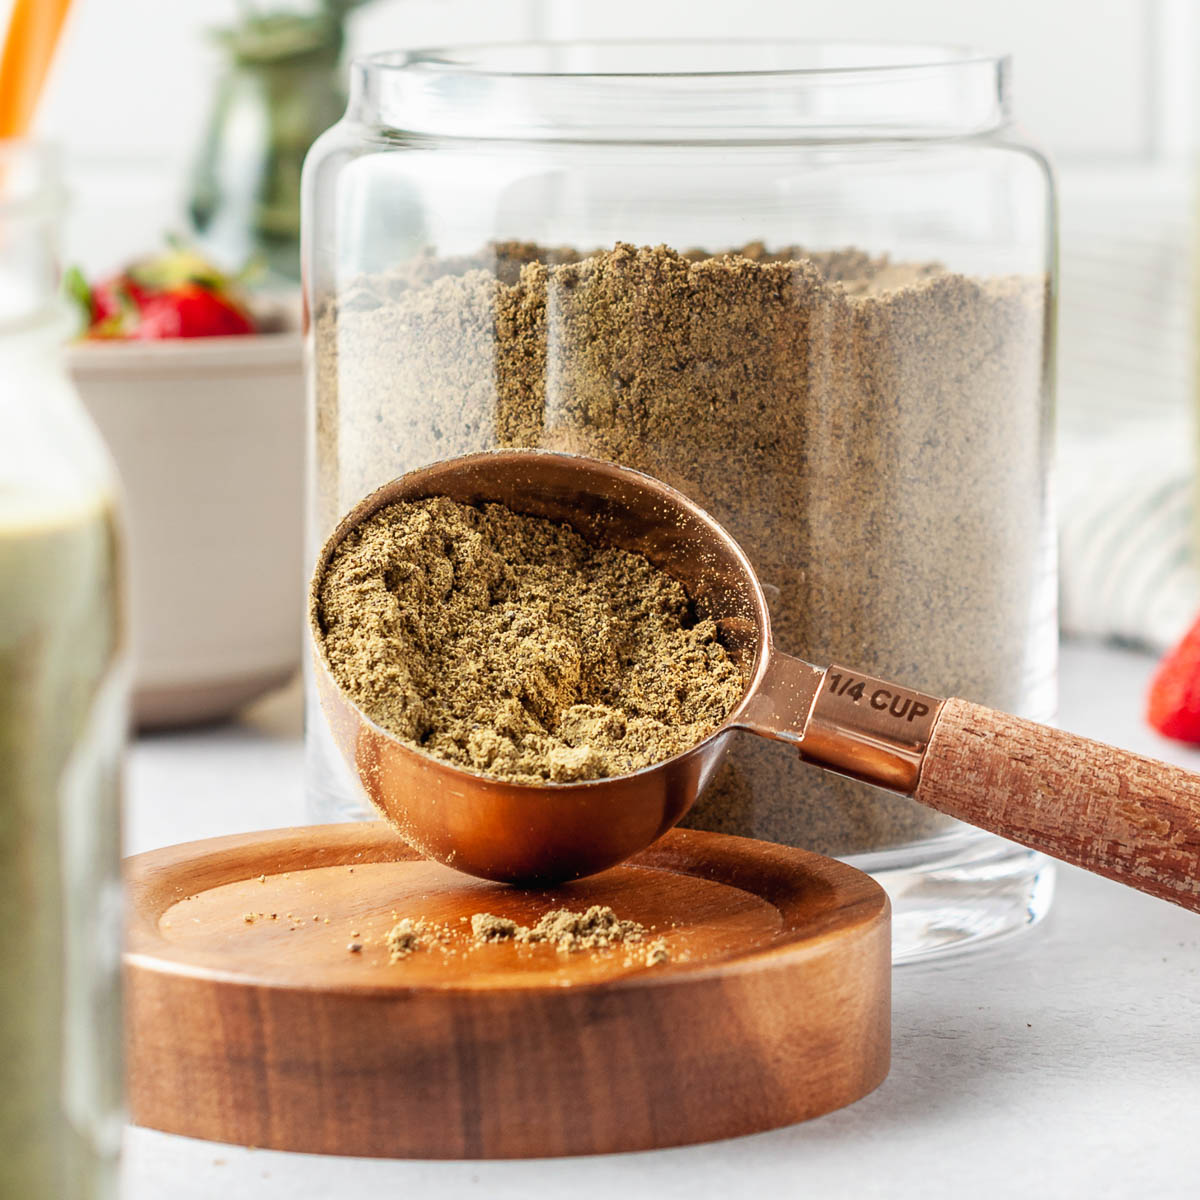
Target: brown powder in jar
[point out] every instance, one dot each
(509, 645)
(869, 431)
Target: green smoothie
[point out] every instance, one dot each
(60, 717)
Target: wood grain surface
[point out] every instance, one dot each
(775, 1007)
(1113, 812)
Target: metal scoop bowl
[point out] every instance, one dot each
(1025, 781)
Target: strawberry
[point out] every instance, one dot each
(189, 311)
(177, 294)
(108, 300)
(115, 307)
(1173, 704)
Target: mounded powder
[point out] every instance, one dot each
(403, 938)
(596, 928)
(509, 645)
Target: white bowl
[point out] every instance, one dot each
(208, 437)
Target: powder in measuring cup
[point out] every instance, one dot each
(509, 645)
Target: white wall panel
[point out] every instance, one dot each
(1090, 74)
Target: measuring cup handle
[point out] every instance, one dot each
(1116, 813)
(1130, 818)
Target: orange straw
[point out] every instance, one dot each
(33, 34)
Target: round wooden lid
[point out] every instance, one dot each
(251, 1020)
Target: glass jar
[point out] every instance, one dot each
(809, 285)
(62, 729)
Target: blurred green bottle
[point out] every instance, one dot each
(282, 87)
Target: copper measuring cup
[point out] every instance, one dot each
(1113, 812)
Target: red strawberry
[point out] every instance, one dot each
(1173, 704)
(115, 304)
(190, 311)
(177, 294)
(106, 299)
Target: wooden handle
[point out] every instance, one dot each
(1121, 815)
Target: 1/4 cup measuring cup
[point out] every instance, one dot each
(1110, 811)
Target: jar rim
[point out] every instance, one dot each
(485, 59)
(683, 90)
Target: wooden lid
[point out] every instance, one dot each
(775, 1006)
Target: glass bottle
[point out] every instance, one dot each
(810, 285)
(281, 88)
(63, 685)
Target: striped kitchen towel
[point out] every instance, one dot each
(1126, 394)
(1127, 544)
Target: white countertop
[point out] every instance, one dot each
(1064, 1063)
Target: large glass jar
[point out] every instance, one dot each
(63, 688)
(809, 285)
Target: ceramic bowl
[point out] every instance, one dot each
(208, 437)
